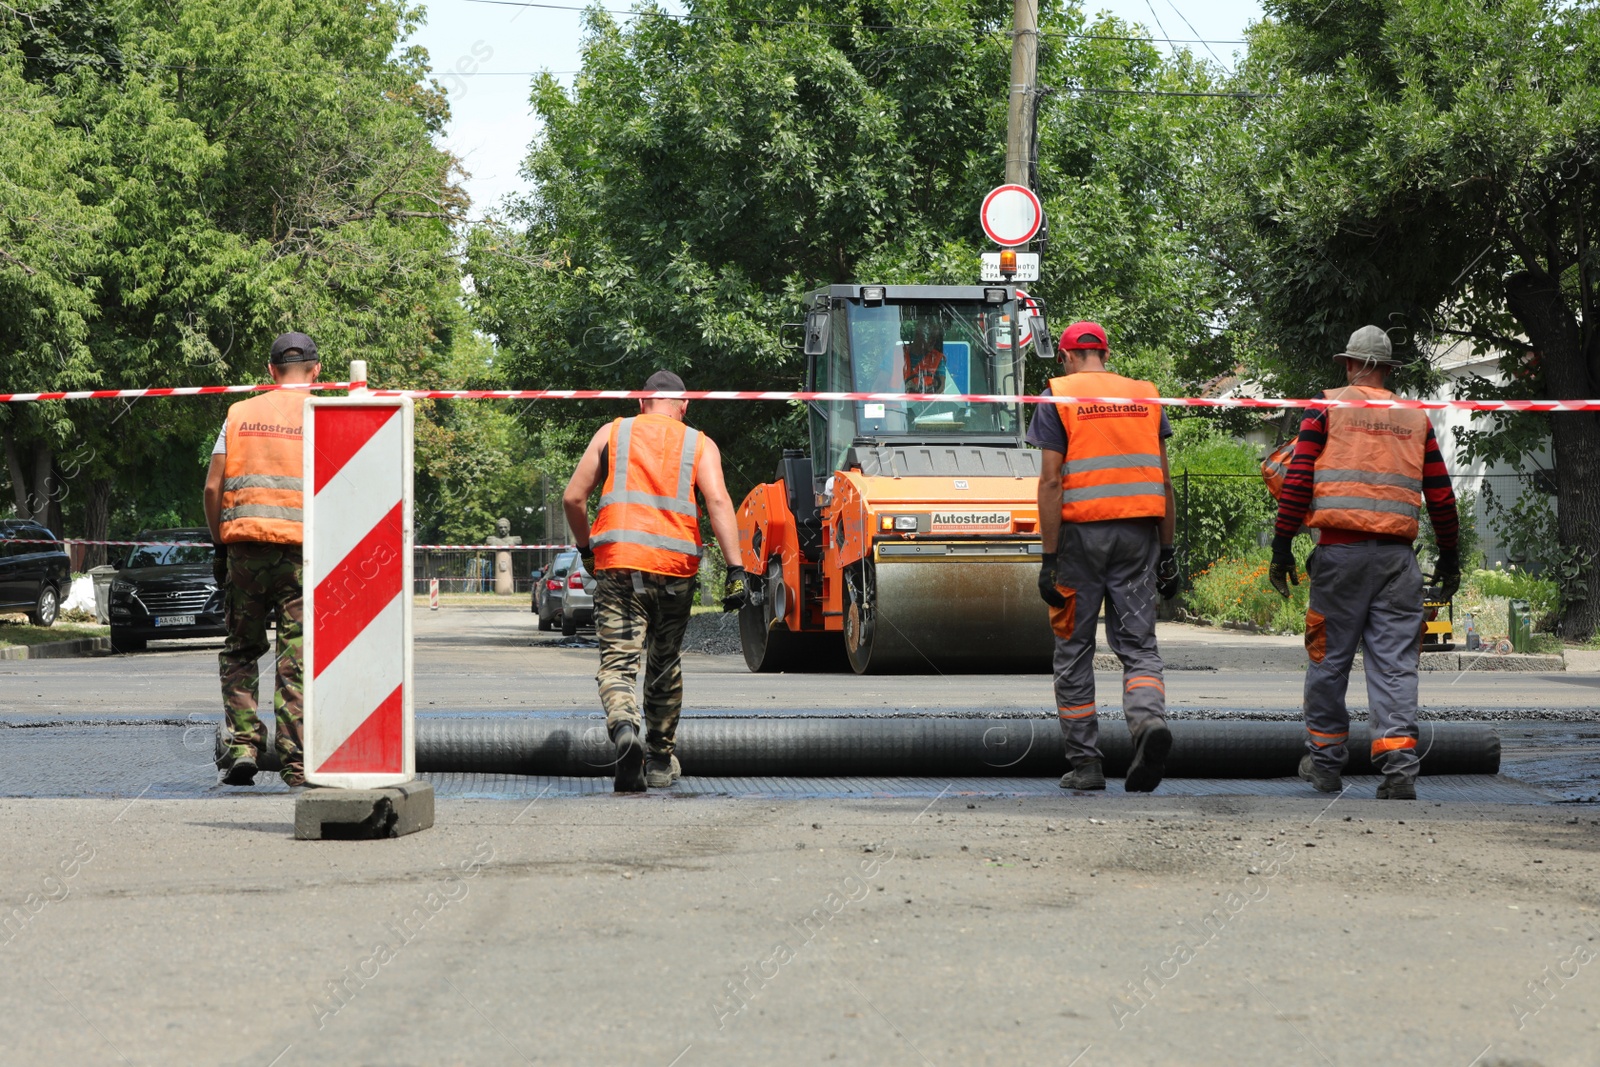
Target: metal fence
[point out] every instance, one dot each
(472, 570)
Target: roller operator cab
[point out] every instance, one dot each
(908, 539)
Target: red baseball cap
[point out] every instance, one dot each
(1083, 334)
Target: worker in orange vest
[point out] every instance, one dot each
(1357, 477)
(644, 551)
(926, 367)
(253, 498)
(1106, 519)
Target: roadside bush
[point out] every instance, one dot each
(1224, 507)
(1235, 589)
(1485, 594)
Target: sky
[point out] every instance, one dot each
(482, 52)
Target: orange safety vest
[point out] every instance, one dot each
(922, 375)
(648, 520)
(1113, 464)
(261, 484)
(1369, 476)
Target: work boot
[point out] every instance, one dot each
(1150, 750)
(1323, 781)
(660, 771)
(630, 759)
(1085, 776)
(242, 771)
(1397, 787)
(293, 775)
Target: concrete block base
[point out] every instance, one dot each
(363, 814)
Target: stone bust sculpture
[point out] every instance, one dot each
(502, 534)
(501, 540)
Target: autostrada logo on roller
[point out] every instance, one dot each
(971, 520)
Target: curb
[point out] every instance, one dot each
(1189, 657)
(82, 646)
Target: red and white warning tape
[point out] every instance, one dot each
(86, 541)
(180, 390)
(207, 544)
(1544, 406)
(491, 548)
(988, 398)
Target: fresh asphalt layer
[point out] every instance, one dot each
(785, 922)
(147, 719)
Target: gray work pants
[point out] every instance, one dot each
(1370, 593)
(1113, 562)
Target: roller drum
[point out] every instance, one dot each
(948, 615)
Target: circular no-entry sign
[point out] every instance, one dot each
(1011, 215)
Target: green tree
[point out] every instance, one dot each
(250, 167)
(1431, 166)
(704, 173)
(1223, 505)
(475, 461)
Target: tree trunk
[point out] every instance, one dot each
(19, 482)
(96, 521)
(1535, 298)
(42, 493)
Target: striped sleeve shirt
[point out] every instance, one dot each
(1295, 500)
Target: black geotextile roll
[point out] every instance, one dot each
(936, 746)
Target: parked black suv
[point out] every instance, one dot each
(33, 578)
(165, 591)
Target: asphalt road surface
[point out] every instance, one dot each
(916, 923)
(486, 660)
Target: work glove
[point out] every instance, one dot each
(1167, 582)
(586, 554)
(1047, 582)
(1282, 573)
(1447, 575)
(734, 593)
(219, 565)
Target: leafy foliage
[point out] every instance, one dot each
(1431, 166)
(1235, 589)
(1223, 506)
(174, 199)
(703, 174)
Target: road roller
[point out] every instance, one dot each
(907, 539)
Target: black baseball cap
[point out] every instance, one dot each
(294, 348)
(665, 381)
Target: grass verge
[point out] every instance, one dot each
(16, 630)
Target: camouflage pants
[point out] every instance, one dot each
(262, 577)
(642, 616)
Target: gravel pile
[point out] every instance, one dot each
(713, 634)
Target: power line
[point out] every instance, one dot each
(811, 24)
(1166, 92)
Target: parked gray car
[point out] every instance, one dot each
(564, 594)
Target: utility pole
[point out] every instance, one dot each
(1024, 72)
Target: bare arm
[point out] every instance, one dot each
(1169, 521)
(585, 480)
(1050, 498)
(213, 496)
(719, 506)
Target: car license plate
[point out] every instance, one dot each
(175, 620)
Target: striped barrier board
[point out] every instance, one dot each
(358, 697)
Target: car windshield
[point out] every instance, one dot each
(169, 555)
